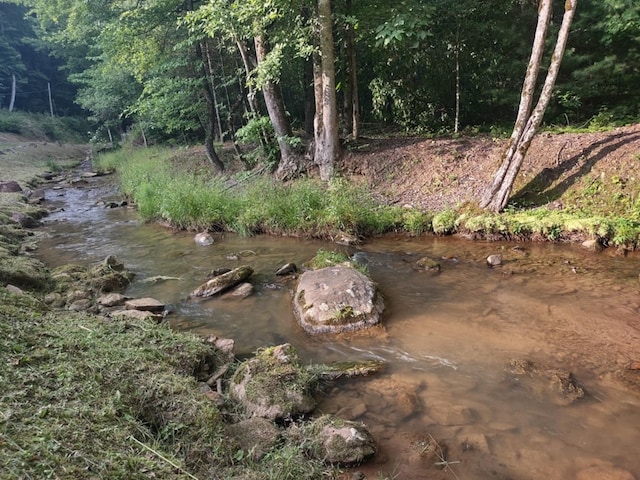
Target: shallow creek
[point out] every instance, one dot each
(447, 342)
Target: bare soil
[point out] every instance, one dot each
(436, 174)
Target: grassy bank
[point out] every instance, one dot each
(86, 397)
(167, 187)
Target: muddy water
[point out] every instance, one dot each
(448, 338)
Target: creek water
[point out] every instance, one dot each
(446, 342)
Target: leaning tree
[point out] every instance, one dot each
(528, 120)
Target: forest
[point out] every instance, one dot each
(188, 71)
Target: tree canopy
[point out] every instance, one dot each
(191, 69)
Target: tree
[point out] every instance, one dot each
(327, 141)
(528, 122)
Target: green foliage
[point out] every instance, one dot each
(43, 126)
(445, 222)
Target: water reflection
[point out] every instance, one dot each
(447, 339)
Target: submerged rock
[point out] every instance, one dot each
(336, 299)
(546, 383)
(427, 264)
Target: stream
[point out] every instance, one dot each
(448, 337)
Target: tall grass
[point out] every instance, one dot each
(259, 205)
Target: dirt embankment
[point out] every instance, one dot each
(435, 174)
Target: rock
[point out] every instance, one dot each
(592, 245)
(273, 384)
(287, 269)
(132, 314)
(217, 272)
(36, 196)
(427, 264)
(88, 174)
(604, 473)
(635, 365)
(256, 435)
(346, 239)
(336, 299)
(243, 290)
(80, 305)
(112, 300)
(546, 383)
(25, 221)
(15, 290)
(54, 299)
(494, 260)
(75, 295)
(224, 345)
(340, 442)
(10, 187)
(145, 305)
(476, 442)
(203, 239)
(452, 414)
(222, 282)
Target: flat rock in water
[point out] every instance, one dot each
(243, 290)
(336, 299)
(145, 305)
(494, 260)
(222, 282)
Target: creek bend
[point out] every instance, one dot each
(449, 337)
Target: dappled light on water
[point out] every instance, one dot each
(447, 342)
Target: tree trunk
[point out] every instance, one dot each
(327, 139)
(351, 103)
(527, 122)
(209, 126)
(289, 165)
(456, 124)
(207, 49)
(13, 93)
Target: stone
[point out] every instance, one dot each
(203, 239)
(15, 290)
(224, 345)
(243, 290)
(452, 414)
(273, 385)
(494, 260)
(10, 187)
(287, 269)
(336, 299)
(75, 295)
(256, 435)
(25, 221)
(80, 305)
(604, 473)
(427, 264)
(145, 304)
(635, 365)
(112, 300)
(346, 239)
(36, 196)
(592, 245)
(340, 442)
(545, 382)
(222, 282)
(132, 314)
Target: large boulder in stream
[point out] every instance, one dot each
(336, 299)
(222, 282)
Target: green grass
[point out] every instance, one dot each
(44, 127)
(192, 198)
(195, 200)
(81, 395)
